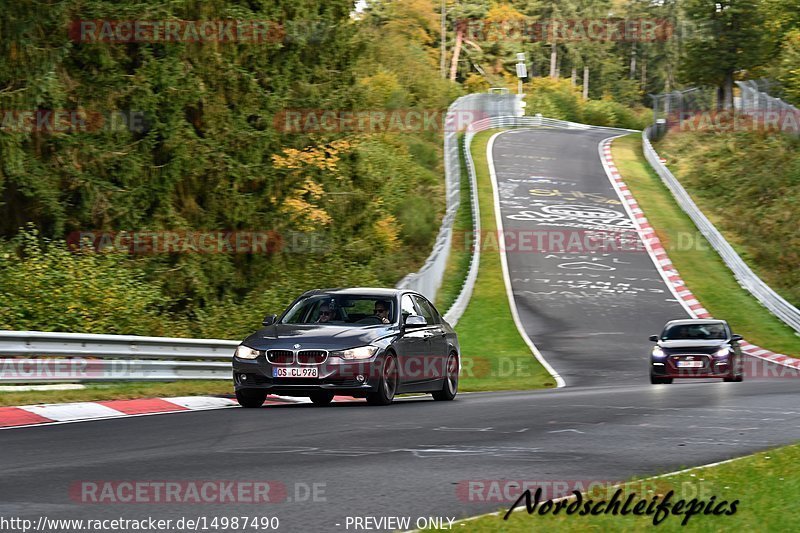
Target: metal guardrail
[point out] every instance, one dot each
(785, 311)
(43, 357)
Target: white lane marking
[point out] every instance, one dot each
(445, 428)
(28, 388)
(504, 265)
(722, 428)
(567, 431)
(72, 411)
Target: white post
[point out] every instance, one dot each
(522, 71)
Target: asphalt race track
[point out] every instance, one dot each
(589, 315)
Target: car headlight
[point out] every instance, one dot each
(658, 352)
(244, 352)
(362, 352)
(723, 352)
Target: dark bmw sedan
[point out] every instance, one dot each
(696, 349)
(367, 343)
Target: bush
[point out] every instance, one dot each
(419, 222)
(600, 113)
(46, 287)
(554, 99)
(559, 99)
(475, 83)
(788, 72)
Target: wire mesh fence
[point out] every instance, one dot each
(697, 108)
(671, 110)
(773, 113)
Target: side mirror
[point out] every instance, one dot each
(416, 321)
(269, 320)
(737, 338)
(653, 338)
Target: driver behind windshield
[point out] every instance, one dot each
(325, 314)
(705, 332)
(382, 311)
(716, 331)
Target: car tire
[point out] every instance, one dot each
(738, 378)
(387, 386)
(657, 380)
(321, 398)
(251, 398)
(450, 385)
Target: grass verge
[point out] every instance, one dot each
(762, 483)
(119, 391)
(460, 254)
(748, 184)
(495, 356)
(703, 270)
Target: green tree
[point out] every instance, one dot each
(466, 18)
(213, 152)
(729, 38)
(788, 69)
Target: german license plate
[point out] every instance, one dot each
(690, 364)
(295, 372)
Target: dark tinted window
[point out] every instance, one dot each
(715, 331)
(340, 310)
(426, 310)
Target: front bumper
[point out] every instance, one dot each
(712, 367)
(350, 379)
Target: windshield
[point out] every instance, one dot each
(695, 332)
(337, 310)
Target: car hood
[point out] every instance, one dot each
(702, 345)
(315, 336)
